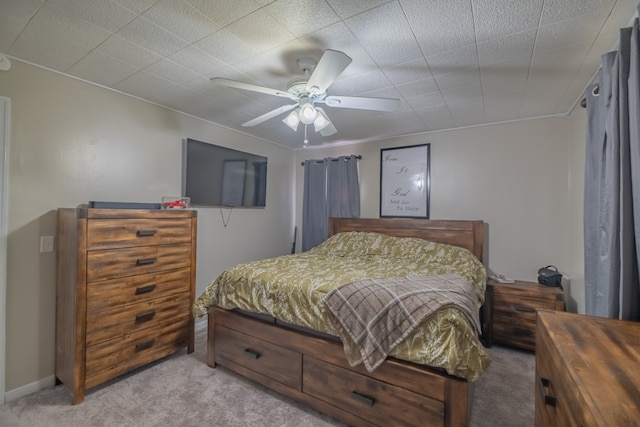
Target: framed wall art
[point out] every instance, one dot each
(405, 181)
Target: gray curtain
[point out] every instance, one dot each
(331, 189)
(612, 184)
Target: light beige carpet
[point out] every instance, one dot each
(183, 391)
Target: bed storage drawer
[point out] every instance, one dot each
(260, 356)
(376, 401)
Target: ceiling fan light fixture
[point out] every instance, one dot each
(321, 121)
(310, 90)
(292, 120)
(307, 113)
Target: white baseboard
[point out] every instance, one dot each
(27, 389)
(51, 380)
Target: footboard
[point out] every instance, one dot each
(315, 371)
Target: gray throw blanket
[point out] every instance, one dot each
(373, 316)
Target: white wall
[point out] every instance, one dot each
(575, 225)
(72, 142)
(5, 109)
(514, 176)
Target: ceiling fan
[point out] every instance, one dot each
(309, 90)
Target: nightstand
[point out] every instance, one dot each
(510, 311)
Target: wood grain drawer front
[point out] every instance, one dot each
(376, 401)
(109, 294)
(122, 233)
(110, 324)
(111, 358)
(514, 319)
(591, 367)
(515, 331)
(109, 264)
(552, 396)
(517, 306)
(275, 362)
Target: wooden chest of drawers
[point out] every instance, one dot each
(125, 286)
(511, 311)
(586, 371)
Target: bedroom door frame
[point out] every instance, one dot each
(5, 111)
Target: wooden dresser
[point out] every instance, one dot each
(125, 286)
(587, 371)
(510, 311)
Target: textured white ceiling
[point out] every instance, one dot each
(452, 63)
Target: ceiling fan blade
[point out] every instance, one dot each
(329, 130)
(362, 103)
(329, 67)
(271, 114)
(248, 86)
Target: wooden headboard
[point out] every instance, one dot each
(465, 234)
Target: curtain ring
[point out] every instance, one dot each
(596, 91)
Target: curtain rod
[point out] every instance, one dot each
(357, 157)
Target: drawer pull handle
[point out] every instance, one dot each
(520, 331)
(524, 308)
(251, 353)
(145, 317)
(548, 399)
(145, 345)
(145, 261)
(145, 289)
(369, 401)
(146, 233)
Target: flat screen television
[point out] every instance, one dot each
(218, 176)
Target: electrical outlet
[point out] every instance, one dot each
(46, 243)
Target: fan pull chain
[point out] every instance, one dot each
(306, 141)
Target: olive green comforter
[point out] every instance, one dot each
(291, 288)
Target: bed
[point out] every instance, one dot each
(284, 338)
